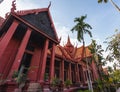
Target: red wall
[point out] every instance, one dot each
(35, 65)
(8, 57)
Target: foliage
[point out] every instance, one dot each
(97, 55)
(107, 81)
(99, 84)
(115, 75)
(96, 51)
(46, 76)
(100, 1)
(68, 83)
(113, 79)
(15, 74)
(56, 85)
(55, 82)
(81, 28)
(113, 3)
(109, 69)
(19, 78)
(113, 47)
(83, 91)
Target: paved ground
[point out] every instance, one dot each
(65, 90)
(118, 90)
(71, 90)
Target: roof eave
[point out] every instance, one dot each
(32, 27)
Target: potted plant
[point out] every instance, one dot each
(20, 79)
(54, 86)
(46, 77)
(68, 83)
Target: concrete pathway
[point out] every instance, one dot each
(65, 89)
(118, 90)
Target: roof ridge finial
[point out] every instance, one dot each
(69, 42)
(49, 5)
(13, 6)
(60, 39)
(69, 39)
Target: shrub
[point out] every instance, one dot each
(68, 83)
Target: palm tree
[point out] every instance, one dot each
(83, 28)
(97, 56)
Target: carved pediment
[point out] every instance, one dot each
(42, 22)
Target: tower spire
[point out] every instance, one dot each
(69, 42)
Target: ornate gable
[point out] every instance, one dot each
(70, 49)
(40, 19)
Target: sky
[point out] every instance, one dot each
(103, 18)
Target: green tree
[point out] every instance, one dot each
(97, 56)
(82, 28)
(97, 53)
(110, 70)
(113, 77)
(113, 48)
(116, 76)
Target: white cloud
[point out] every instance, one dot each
(5, 7)
(63, 32)
(25, 4)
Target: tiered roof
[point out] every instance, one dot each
(38, 19)
(70, 52)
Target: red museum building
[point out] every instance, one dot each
(29, 45)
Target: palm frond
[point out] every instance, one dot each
(88, 32)
(105, 1)
(101, 1)
(81, 27)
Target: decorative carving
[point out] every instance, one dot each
(6, 15)
(41, 21)
(1, 20)
(36, 11)
(70, 49)
(13, 6)
(49, 5)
